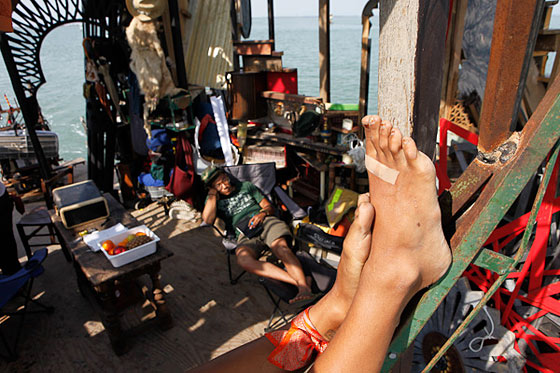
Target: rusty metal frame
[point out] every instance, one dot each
(507, 68)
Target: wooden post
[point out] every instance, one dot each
(365, 60)
(177, 44)
(271, 23)
(454, 46)
(411, 55)
(324, 50)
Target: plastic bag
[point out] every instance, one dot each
(357, 151)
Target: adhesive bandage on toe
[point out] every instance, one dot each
(381, 171)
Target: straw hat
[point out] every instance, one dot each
(146, 10)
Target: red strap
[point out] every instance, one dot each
(294, 348)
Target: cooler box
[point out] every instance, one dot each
(80, 203)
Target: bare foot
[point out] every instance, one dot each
(328, 314)
(304, 293)
(355, 252)
(407, 227)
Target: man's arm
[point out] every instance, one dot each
(211, 207)
(266, 209)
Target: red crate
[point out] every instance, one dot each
(282, 81)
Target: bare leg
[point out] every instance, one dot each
(247, 260)
(408, 253)
(326, 315)
(283, 252)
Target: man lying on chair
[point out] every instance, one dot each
(243, 207)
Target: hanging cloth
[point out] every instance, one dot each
(223, 129)
(182, 179)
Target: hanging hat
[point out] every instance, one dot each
(146, 10)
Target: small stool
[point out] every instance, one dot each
(38, 219)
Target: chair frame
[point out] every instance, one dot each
(29, 270)
(321, 288)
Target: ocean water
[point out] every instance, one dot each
(61, 97)
(62, 60)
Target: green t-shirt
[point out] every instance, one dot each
(242, 202)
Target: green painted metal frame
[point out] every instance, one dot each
(511, 262)
(536, 140)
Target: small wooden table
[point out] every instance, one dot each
(99, 280)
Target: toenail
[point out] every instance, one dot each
(393, 131)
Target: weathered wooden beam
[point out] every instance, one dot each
(507, 68)
(324, 50)
(548, 41)
(454, 46)
(271, 23)
(177, 44)
(411, 55)
(367, 13)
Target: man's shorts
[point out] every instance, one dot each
(273, 228)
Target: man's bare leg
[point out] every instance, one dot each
(326, 315)
(247, 260)
(408, 252)
(282, 251)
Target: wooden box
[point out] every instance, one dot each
(245, 89)
(263, 62)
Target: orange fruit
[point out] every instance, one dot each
(108, 245)
(140, 234)
(123, 242)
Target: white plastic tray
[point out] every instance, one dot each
(134, 254)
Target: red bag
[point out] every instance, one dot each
(182, 179)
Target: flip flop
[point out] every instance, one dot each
(304, 298)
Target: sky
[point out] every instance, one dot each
(299, 8)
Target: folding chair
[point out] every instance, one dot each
(263, 176)
(323, 279)
(19, 285)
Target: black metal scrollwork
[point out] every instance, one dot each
(32, 21)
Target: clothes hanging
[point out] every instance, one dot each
(182, 179)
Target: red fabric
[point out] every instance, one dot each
(182, 180)
(282, 81)
(203, 124)
(6, 16)
(294, 347)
